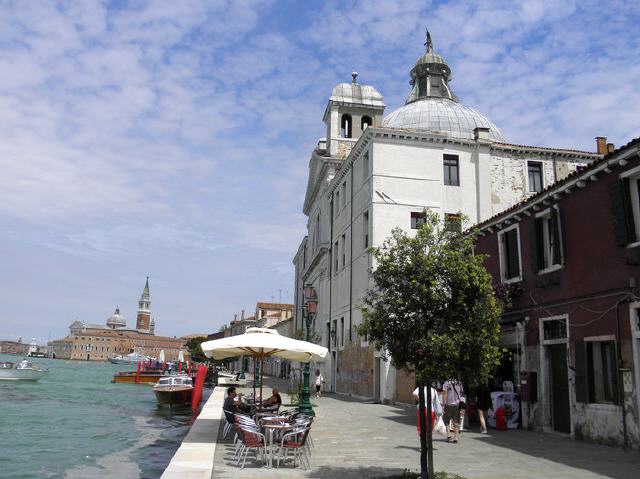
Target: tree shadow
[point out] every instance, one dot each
(335, 472)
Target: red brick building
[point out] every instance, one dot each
(569, 260)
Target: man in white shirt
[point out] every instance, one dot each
(436, 408)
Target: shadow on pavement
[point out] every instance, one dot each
(331, 472)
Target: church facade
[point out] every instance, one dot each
(97, 342)
(373, 173)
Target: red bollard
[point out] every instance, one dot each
(501, 419)
(197, 389)
(138, 373)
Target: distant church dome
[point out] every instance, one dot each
(355, 93)
(432, 105)
(116, 320)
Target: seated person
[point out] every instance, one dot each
(233, 403)
(274, 402)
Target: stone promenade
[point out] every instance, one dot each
(354, 439)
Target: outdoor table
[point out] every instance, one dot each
(271, 428)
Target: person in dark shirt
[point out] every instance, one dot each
(232, 403)
(275, 401)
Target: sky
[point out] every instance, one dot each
(171, 139)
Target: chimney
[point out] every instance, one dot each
(601, 145)
(242, 315)
(235, 317)
(610, 147)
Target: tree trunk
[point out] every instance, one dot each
(429, 433)
(424, 467)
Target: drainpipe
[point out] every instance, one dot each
(619, 376)
(351, 256)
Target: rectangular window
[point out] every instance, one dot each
(546, 242)
(603, 387)
(417, 219)
(451, 174)
(596, 378)
(336, 204)
(534, 169)
(510, 254)
(316, 233)
(341, 331)
(344, 250)
(344, 194)
(452, 223)
(335, 257)
(365, 229)
(365, 166)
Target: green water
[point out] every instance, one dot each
(74, 423)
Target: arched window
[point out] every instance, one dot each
(345, 126)
(365, 122)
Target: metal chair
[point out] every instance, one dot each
(295, 441)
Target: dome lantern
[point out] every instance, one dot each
(432, 105)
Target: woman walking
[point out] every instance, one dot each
(319, 382)
(484, 404)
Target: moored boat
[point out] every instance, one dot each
(132, 358)
(23, 371)
(147, 377)
(174, 390)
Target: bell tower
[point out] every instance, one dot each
(143, 321)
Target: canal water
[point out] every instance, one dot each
(75, 423)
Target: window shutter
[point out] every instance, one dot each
(555, 236)
(623, 225)
(582, 376)
(533, 240)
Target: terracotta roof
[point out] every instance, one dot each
(284, 306)
(557, 185)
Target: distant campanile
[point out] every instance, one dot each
(143, 320)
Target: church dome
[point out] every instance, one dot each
(116, 320)
(432, 106)
(355, 93)
(442, 115)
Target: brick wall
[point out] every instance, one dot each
(405, 385)
(355, 370)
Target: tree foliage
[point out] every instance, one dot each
(433, 308)
(195, 350)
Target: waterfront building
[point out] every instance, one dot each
(372, 174)
(569, 261)
(98, 342)
(270, 314)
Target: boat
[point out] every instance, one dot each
(23, 371)
(147, 376)
(174, 390)
(132, 358)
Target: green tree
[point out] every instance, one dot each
(195, 350)
(433, 311)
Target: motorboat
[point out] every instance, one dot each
(132, 358)
(174, 390)
(23, 371)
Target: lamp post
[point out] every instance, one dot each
(309, 309)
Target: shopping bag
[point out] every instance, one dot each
(440, 427)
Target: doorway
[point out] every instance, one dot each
(334, 371)
(376, 379)
(559, 388)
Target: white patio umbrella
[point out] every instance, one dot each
(181, 356)
(263, 343)
(161, 356)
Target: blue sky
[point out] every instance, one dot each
(172, 139)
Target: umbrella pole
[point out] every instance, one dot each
(261, 377)
(255, 359)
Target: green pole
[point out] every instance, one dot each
(305, 403)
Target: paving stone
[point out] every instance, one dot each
(355, 439)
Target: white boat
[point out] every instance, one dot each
(133, 358)
(23, 371)
(174, 390)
